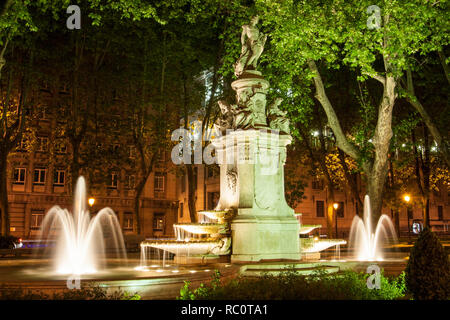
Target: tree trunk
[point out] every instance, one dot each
(4, 221)
(75, 166)
(444, 65)
(381, 141)
(191, 192)
(412, 99)
(375, 170)
(394, 212)
(426, 178)
(137, 205)
(353, 184)
(422, 168)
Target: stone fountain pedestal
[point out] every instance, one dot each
(252, 183)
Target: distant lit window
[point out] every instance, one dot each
(440, 212)
(159, 182)
(39, 176)
(42, 144)
(59, 177)
(128, 221)
(113, 180)
(60, 147)
(37, 216)
(42, 114)
(115, 148)
(23, 144)
(132, 152)
(183, 183)
(320, 209)
(19, 175)
(130, 181)
(340, 210)
(317, 184)
(410, 213)
(158, 222)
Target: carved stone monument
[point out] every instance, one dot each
(252, 155)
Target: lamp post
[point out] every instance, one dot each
(407, 199)
(91, 201)
(336, 206)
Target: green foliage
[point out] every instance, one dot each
(85, 293)
(428, 269)
(295, 185)
(348, 285)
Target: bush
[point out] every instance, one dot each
(85, 293)
(428, 271)
(348, 285)
(7, 242)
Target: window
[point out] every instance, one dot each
(115, 149)
(42, 144)
(19, 175)
(158, 222)
(320, 209)
(128, 221)
(160, 159)
(132, 152)
(195, 177)
(130, 181)
(440, 213)
(36, 219)
(340, 210)
(23, 144)
(42, 114)
(39, 176)
(112, 181)
(59, 178)
(159, 182)
(410, 213)
(181, 210)
(212, 171)
(183, 183)
(60, 147)
(317, 184)
(213, 199)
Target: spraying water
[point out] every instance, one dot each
(81, 241)
(366, 242)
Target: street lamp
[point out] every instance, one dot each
(407, 199)
(91, 201)
(336, 206)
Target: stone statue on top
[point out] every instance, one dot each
(253, 43)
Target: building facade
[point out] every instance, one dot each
(39, 178)
(313, 207)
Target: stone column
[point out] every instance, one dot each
(252, 183)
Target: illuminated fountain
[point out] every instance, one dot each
(194, 241)
(366, 242)
(81, 242)
(312, 246)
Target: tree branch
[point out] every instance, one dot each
(412, 99)
(333, 121)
